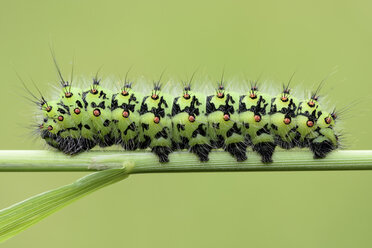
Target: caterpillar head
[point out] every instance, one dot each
(49, 127)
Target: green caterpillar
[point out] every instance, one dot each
(84, 118)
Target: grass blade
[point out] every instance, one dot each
(20, 216)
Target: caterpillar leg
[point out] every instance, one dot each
(70, 146)
(202, 151)
(87, 144)
(105, 141)
(162, 152)
(130, 145)
(237, 150)
(265, 150)
(321, 149)
(327, 140)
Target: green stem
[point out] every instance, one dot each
(114, 166)
(146, 162)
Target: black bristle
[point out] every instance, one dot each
(162, 152)
(237, 150)
(265, 150)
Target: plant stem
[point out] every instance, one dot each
(117, 165)
(146, 162)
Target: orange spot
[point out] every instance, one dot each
(154, 96)
(252, 95)
(226, 117)
(156, 119)
(60, 118)
(124, 93)
(191, 118)
(186, 96)
(77, 111)
(50, 128)
(68, 94)
(96, 112)
(284, 98)
(311, 103)
(257, 118)
(125, 114)
(310, 123)
(287, 121)
(94, 91)
(328, 120)
(48, 109)
(219, 94)
(41, 126)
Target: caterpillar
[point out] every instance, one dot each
(83, 118)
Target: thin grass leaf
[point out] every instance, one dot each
(20, 216)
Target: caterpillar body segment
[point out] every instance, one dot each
(224, 126)
(125, 116)
(59, 117)
(255, 119)
(50, 129)
(283, 119)
(190, 123)
(307, 115)
(327, 139)
(72, 100)
(156, 123)
(98, 105)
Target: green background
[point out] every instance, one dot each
(248, 38)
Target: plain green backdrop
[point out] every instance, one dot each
(248, 38)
